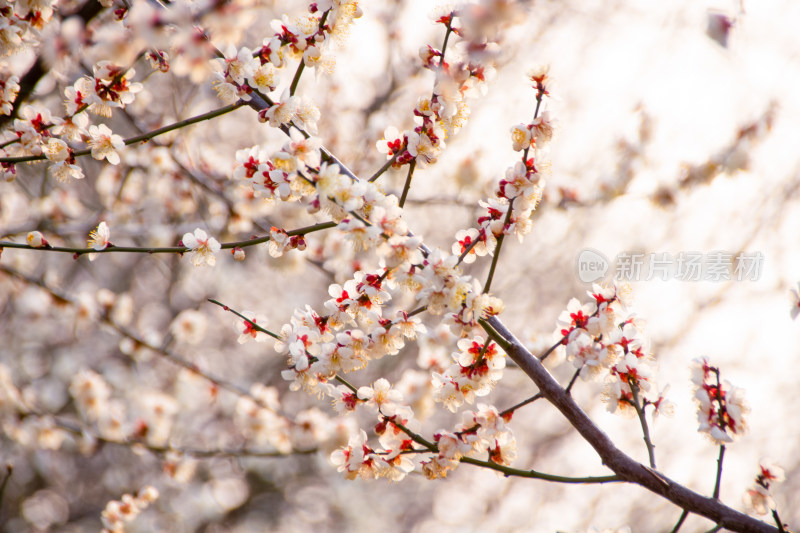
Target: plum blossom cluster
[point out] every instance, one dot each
(110, 88)
(585, 331)
(475, 369)
(359, 460)
(721, 407)
(285, 175)
(120, 512)
(446, 111)
(37, 132)
(305, 37)
(758, 498)
(602, 341)
(21, 24)
(518, 194)
(482, 433)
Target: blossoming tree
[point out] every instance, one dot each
(371, 351)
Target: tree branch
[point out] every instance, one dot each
(614, 458)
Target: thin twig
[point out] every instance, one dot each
(678, 525)
(496, 254)
(643, 421)
(139, 138)
(167, 249)
(718, 483)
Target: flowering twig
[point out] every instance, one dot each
(496, 254)
(720, 458)
(139, 138)
(643, 421)
(250, 322)
(506, 470)
(560, 341)
(407, 185)
(302, 65)
(167, 249)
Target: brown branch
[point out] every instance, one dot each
(621, 464)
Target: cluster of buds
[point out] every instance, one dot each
(721, 407)
(280, 242)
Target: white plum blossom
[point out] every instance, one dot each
(202, 246)
(56, 150)
(105, 144)
(247, 331)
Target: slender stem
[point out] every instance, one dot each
(573, 380)
(346, 383)
(296, 79)
(496, 254)
(252, 324)
(508, 471)
(418, 310)
(467, 250)
(164, 250)
(643, 421)
(407, 186)
(302, 65)
(678, 525)
(551, 349)
(523, 403)
(139, 138)
(385, 166)
(778, 521)
(719, 471)
(444, 45)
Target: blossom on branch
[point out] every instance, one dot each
(99, 239)
(759, 498)
(105, 144)
(202, 246)
(721, 407)
(36, 239)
